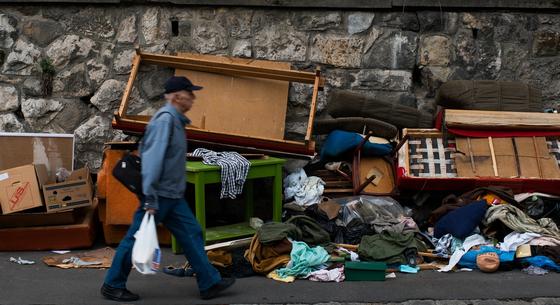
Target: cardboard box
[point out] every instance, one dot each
(19, 220)
(19, 188)
(52, 150)
(75, 192)
(79, 235)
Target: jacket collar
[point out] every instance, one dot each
(184, 120)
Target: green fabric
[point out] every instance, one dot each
(388, 247)
(518, 221)
(300, 228)
(273, 232)
(311, 232)
(303, 260)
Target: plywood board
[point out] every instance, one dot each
(242, 105)
(120, 202)
(52, 150)
(535, 158)
(384, 183)
(503, 120)
(481, 164)
(505, 157)
(528, 158)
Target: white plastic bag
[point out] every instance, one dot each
(146, 255)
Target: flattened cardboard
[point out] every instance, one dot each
(52, 150)
(19, 189)
(75, 192)
(479, 149)
(531, 148)
(104, 256)
(243, 105)
(505, 157)
(526, 151)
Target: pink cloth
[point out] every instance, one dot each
(333, 275)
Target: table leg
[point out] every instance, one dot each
(199, 213)
(200, 203)
(249, 199)
(277, 195)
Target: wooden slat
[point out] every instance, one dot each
(422, 132)
(339, 191)
(334, 184)
(229, 69)
(232, 141)
(313, 106)
(144, 120)
(129, 84)
(501, 120)
(493, 155)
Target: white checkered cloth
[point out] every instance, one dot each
(234, 169)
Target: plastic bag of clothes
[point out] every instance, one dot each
(368, 208)
(370, 214)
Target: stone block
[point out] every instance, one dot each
(341, 51)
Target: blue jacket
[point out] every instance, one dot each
(163, 151)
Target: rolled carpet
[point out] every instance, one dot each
(490, 95)
(343, 103)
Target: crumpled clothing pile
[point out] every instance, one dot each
(304, 190)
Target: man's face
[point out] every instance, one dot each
(184, 99)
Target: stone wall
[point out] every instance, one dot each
(394, 55)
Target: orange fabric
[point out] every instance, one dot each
(264, 259)
(220, 258)
(492, 199)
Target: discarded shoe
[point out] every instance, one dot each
(213, 291)
(179, 272)
(118, 294)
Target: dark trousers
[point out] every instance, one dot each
(178, 218)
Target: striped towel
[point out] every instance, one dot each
(234, 169)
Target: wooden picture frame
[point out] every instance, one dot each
(137, 123)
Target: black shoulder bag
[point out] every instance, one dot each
(129, 172)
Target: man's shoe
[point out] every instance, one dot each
(118, 294)
(213, 291)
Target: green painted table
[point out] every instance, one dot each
(200, 174)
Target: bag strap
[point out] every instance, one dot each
(142, 136)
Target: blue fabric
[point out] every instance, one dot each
(178, 218)
(544, 262)
(461, 222)
(340, 143)
(469, 259)
(303, 260)
(162, 151)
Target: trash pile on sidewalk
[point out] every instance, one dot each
(342, 219)
(486, 167)
(44, 203)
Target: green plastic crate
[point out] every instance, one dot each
(365, 271)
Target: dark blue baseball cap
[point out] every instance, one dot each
(178, 83)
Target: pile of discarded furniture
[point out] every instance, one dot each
(486, 167)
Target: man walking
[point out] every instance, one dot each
(163, 151)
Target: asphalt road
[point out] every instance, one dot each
(40, 284)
